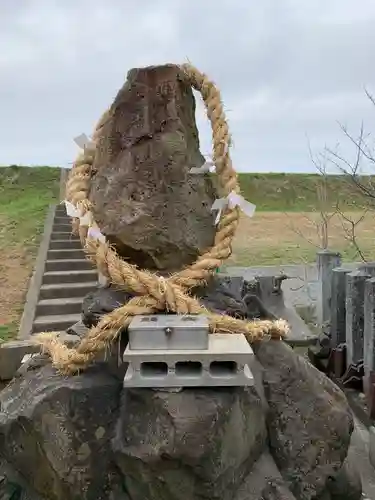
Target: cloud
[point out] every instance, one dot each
(287, 70)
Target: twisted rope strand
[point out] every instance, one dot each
(152, 293)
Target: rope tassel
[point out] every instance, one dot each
(153, 294)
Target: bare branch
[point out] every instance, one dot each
(370, 96)
(359, 143)
(350, 233)
(300, 233)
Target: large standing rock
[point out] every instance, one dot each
(85, 438)
(145, 200)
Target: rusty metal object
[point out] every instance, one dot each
(337, 361)
(353, 376)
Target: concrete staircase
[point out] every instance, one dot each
(67, 277)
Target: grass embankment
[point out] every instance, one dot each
(299, 192)
(25, 194)
(282, 230)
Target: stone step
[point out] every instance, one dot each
(65, 253)
(60, 212)
(57, 227)
(66, 222)
(61, 219)
(65, 244)
(67, 305)
(68, 265)
(66, 290)
(70, 276)
(58, 322)
(64, 235)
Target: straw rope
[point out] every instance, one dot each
(153, 293)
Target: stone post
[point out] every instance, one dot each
(338, 306)
(355, 295)
(326, 261)
(368, 268)
(369, 333)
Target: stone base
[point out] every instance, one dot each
(224, 363)
(11, 355)
(16, 352)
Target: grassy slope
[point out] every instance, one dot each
(25, 194)
(297, 192)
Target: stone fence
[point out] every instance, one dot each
(346, 311)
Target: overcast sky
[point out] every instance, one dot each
(287, 69)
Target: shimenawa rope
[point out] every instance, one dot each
(155, 294)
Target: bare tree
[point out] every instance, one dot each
(364, 147)
(324, 210)
(349, 226)
(350, 212)
(359, 173)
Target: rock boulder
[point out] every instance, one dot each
(195, 443)
(57, 432)
(220, 295)
(86, 438)
(146, 202)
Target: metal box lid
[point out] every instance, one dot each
(169, 331)
(174, 321)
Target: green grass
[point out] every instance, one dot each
(8, 332)
(290, 253)
(25, 194)
(298, 192)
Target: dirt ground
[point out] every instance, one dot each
(293, 238)
(15, 269)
